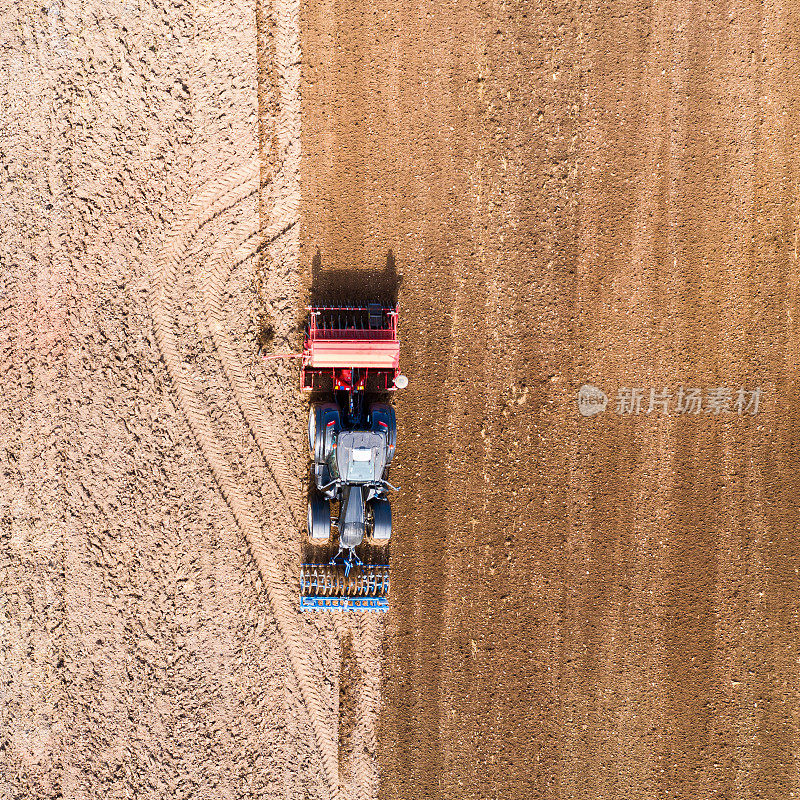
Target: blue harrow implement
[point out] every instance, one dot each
(326, 587)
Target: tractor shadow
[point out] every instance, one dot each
(354, 287)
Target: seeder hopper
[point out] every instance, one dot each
(350, 354)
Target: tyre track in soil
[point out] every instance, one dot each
(282, 101)
(219, 195)
(366, 642)
(236, 246)
(364, 632)
(240, 243)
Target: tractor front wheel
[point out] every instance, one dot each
(319, 519)
(381, 520)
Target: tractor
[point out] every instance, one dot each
(350, 362)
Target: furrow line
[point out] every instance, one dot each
(366, 641)
(219, 267)
(218, 196)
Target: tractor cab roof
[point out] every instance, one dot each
(360, 456)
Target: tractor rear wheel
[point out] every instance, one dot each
(319, 519)
(323, 424)
(316, 432)
(381, 520)
(312, 429)
(382, 418)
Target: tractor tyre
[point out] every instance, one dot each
(319, 519)
(381, 520)
(382, 418)
(312, 429)
(318, 414)
(323, 425)
(316, 432)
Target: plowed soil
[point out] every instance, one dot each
(582, 607)
(597, 607)
(151, 646)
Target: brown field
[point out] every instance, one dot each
(582, 607)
